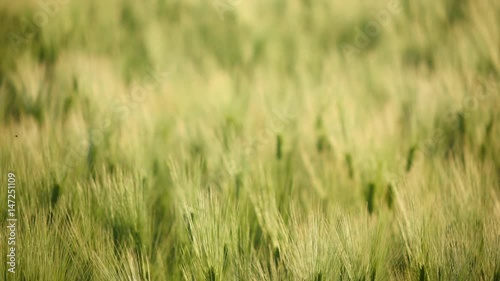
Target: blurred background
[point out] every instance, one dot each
(146, 134)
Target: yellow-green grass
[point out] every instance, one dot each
(251, 140)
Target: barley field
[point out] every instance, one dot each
(249, 140)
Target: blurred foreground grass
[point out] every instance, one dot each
(251, 140)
